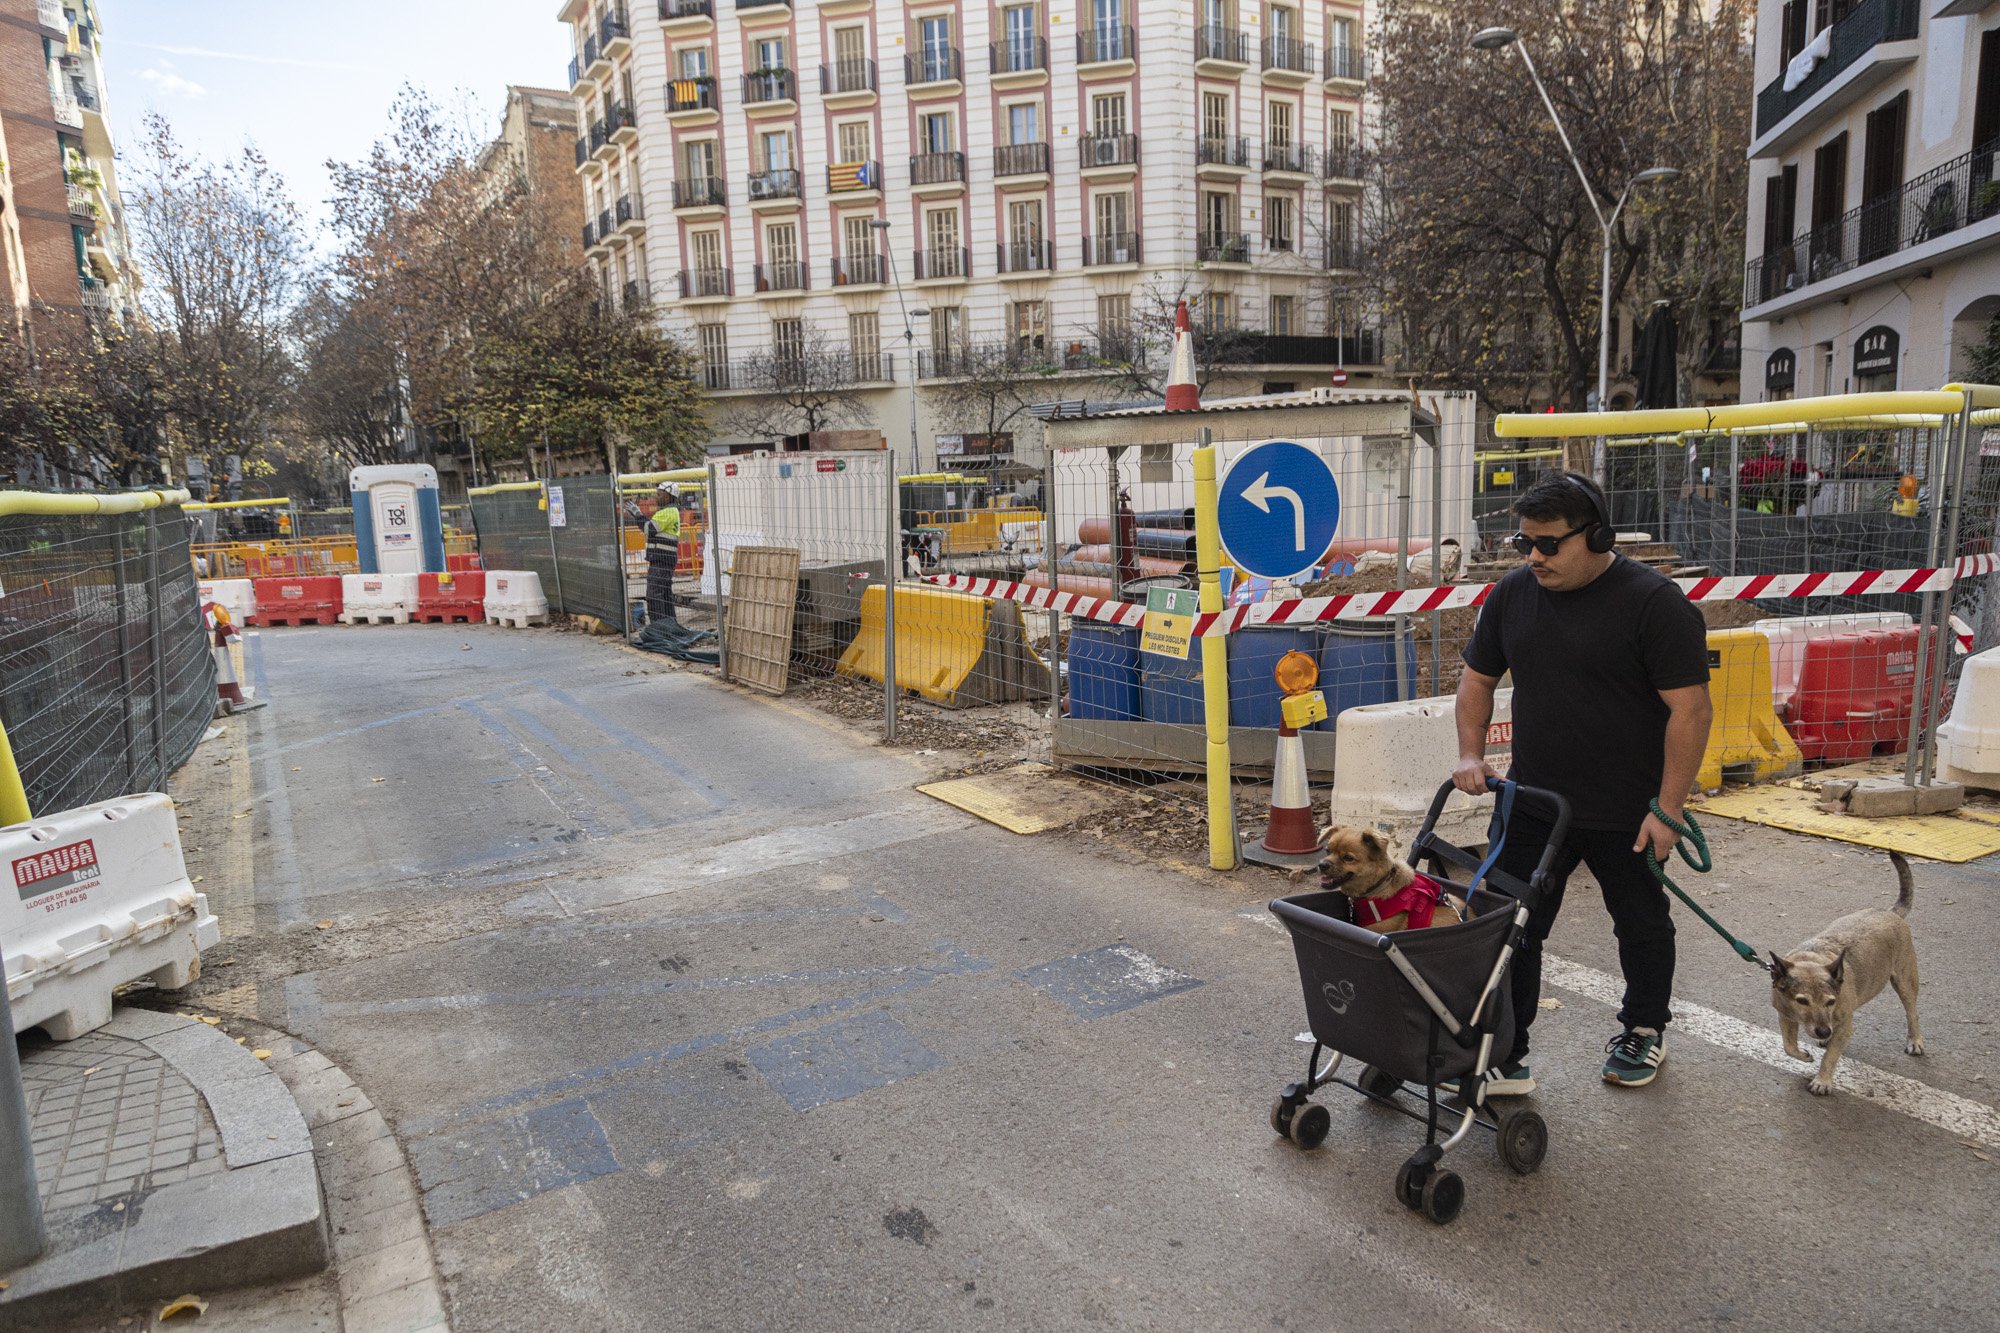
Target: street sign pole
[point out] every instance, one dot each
(1222, 840)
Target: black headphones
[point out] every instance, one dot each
(1602, 536)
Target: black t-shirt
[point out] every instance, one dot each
(1588, 668)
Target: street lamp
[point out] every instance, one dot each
(1493, 39)
(881, 226)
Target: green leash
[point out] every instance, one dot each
(1702, 863)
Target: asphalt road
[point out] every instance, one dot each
(691, 1013)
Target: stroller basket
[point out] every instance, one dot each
(1360, 1003)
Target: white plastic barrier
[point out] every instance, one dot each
(1790, 634)
(377, 599)
(1390, 758)
(514, 597)
(1969, 740)
(236, 596)
(100, 897)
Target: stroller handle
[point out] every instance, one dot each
(1557, 805)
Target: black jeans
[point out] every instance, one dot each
(1639, 918)
(660, 589)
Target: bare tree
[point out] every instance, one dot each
(805, 384)
(1136, 357)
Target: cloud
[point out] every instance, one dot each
(205, 53)
(170, 84)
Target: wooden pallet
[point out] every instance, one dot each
(763, 597)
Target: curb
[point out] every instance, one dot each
(262, 1220)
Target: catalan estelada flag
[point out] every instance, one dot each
(851, 176)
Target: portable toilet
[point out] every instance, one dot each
(398, 527)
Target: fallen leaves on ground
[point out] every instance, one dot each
(181, 1305)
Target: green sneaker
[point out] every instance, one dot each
(1509, 1080)
(1634, 1056)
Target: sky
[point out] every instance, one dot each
(309, 80)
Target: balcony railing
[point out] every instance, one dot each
(617, 117)
(590, 51)
(96, 295)
(847, 76)
(1346, 62)
(848, 177)
(1212, 43)
(80, 202)
(781, 184)
(1343, 252)
(686, 9)
(781, 371)
(1112, 247)
(627, 210)
(700, 192)
(68, 110)
(692, 95)
(637, 293)
(604, 227)
(937, 168)
(1098, 46)
(699, 282)
(612, 29)
(589, 234)
(1963, 191)
(769, 85)
(942, 263)
(575, 70)
(582, 149)
(939, 65)
(1292, 349)
(1866, 26)
(1230, 151)
(761, 4)
(51, 14)
(1223, 247)
(786, 276)
(1285, 54)
(600, 134)
(1343, 161)
(1292, 157)
(1021, 159)
(1019, 55)
(1025, 257)
(1110, 150)
(856, 270)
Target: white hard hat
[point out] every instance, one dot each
(667, 488)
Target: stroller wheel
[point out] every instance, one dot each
(1443, 1196)
(1523, 1140)
(1282, 1110)
(1410, 1177)
(1379, 1083)
(1309, 1126)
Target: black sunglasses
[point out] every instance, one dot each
(1546, 545)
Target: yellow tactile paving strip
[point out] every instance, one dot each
(1964, 835)
(1028, 798)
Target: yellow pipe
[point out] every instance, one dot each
(54, 503)
(1222, 850)
(13, 796)
(269, 503)
(672, 474)
(1983, 395)
(1795, 412)
(506, 486)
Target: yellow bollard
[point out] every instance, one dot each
(13, 796)
(1222, 842)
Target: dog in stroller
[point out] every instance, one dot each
(1423, 1011)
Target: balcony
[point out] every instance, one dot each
(589, 235)
(763, 11)
(858, 270)
(618, 121)
(1112, 247)
(1115, 45)
(96, 295)
(602, 145)
(700, 192)
(597, 60)
(1223, 247)
(768, 87)
(1343, 162)
(686, 96)
(1018, 60)
(1017, 257)
(1939, 207)
(68, 110)
(937, 66)
(854, 80)
(81, 205)
(1021, 159)
(780, 371)
(604, 227)
(1027, 355)
(853, 177)
(937, 169)
(1287, 61)
(637, 294)
(687, 12)
(784, 183)
(614, 36)
(938, 264)
(1345, 64)
(582, 149)
(1289, 349)
(1291, 159)
(1230, 151)
(579, 67)
(1109, 150)
(1343, 254)
(1851, 68)
(629, 215)
(49, 14)
(706, 284)
(786, 276)
(1223, 50)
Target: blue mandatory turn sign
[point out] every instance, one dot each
(1278, 508)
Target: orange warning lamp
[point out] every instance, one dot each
(1296, 672)
(1303, 705)
(1905, 503)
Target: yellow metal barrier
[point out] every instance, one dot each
(953, 649)
(970, 531)
(280, 557)
(58, 503)
(1801, 412)
(1746, 730)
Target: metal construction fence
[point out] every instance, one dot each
(106, 678)
(569, 532)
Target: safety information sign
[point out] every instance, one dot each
(1169, 624)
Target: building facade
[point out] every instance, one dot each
(1050, 174)
(1874, 212)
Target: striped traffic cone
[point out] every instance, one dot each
(228, 690)
(1183, 394)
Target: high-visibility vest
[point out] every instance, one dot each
(663, 534)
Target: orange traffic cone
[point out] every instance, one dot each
(228, 690)
(1290, 839)
(1183, 394)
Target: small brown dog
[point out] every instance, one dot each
(1819, 985)
(1387, 894)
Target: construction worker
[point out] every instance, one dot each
(663, 552)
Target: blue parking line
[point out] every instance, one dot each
(625, 735)
(642, 819)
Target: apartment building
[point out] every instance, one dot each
(1874, 213)
(928, 181)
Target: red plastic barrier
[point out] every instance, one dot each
(463, 562)
(1856, 693)
(463, 599)
(304, 600)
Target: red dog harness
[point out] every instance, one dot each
(1420, 898)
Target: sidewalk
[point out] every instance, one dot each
(170, 1160)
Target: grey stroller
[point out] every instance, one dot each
(1422, 1008)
